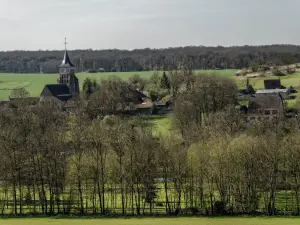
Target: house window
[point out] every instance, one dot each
(274, 111)
(267, 112)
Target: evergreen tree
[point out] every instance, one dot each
(89, 86)
(165, 83)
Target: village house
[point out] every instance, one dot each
(273, 84)
(144, 104)
(274, 87)
(261, 107)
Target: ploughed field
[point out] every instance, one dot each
(155, 221)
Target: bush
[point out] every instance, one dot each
(192, 211)
(159, 204)
(220, 207)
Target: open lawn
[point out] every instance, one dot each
(155, 221)
(162, 124)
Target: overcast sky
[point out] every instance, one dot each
(130, 24)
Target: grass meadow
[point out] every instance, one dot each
(35, 83)
(156, 221)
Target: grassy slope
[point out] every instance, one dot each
(155, 221)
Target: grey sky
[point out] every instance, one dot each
(129, 24)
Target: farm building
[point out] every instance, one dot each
(265, 107)
(134, 103)
(144, 105)
(273, 84)
(284, 93)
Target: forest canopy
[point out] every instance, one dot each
(112, 60)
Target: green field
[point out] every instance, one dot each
(155, 221)
(34, 83)
(162, 124)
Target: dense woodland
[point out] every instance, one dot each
(210, 163)
(151, 59)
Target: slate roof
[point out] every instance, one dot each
(60, 91)
(272, 101)
(273, 84)
(140, 94)
(66, 61)
(272, 91)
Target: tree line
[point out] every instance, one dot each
(210, 163)
(113, 60)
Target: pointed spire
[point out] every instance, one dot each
(66, 60)
(66, 44)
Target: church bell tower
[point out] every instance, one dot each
(67, 73)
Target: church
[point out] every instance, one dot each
(57, 95)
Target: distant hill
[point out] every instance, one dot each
(200, 57)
